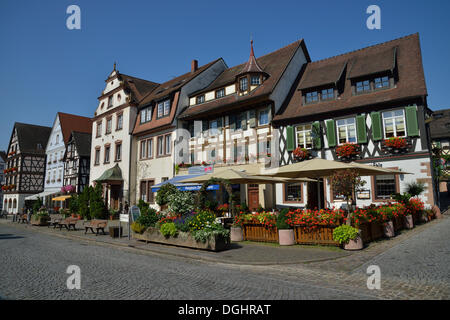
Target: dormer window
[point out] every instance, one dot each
(381, 82)
(255, 80)
(327, 94)
(362, 86)
(312, 97)
(243, 84)
(220, 93)
(146, 115)
(163, 108)
(200, 99)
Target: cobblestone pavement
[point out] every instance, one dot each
(415, 265)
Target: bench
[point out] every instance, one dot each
(54, 222)
(67, 223)
(97, 225)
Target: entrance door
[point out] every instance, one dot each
(314, 195)
(115, 196)
(253, 197)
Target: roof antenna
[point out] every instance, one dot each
(114, 66)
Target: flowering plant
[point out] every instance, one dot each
(301, 153)
(414, 205)
(314, 218)
(390, 211)
(68, 189)
(223, 207)
(267, 219)
(347, 150)
(395, 142)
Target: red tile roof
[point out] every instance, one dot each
(410, 84)
(72, 122)
(273, 64)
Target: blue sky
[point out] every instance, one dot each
(46, 68)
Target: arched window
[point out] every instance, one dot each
(9, 204)
(14, 203)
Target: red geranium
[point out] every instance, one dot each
(395, 142)
(301, 153)
(347, 150)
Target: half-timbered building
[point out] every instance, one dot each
(3, 158)
(25, 165)
(228, 123)
(157, 140)
(373, 100)
(63, 125)
(77, 161)
(111, 149)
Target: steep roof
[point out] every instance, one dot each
(440, 125)
(164, 90)
(82, 142)
(273, 64)
(31, 136)
(403, 53)
(138, 88)
(251, 65)
(72, 122)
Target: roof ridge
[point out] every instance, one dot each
(127, 75)
(30, 124)
(371, 46)
(75, 115)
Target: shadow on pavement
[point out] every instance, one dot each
(7, 236)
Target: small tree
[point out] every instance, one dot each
(347, 183)
(83, 201)
(74, 205)
(97, 205)
(37, 205)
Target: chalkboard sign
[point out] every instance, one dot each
(135, 213)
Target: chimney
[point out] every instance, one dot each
(194, 65)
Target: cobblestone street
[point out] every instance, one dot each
(34, 266)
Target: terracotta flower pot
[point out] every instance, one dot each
(355, 244)
(286, 237)
(388, 229)
(236, 234)
(409, 224)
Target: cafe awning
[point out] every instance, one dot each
(61, 198)
(40, 195)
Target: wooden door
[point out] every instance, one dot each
(115, 196)
(253, 197)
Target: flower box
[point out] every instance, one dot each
(183, 239)
(301, 154)
(322, 235)
(347, 151)
(396, 145)
(261, 233)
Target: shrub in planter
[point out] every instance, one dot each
(164, 192)
(168, 229)
(236, 232)
(285, 232)
(138, 228)
(181, 202)
(349, 236)
(201, 219)
(211, 230)
(148, 218)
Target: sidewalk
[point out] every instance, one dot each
(245, 253)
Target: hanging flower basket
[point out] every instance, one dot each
(347, 151)
(301, 154)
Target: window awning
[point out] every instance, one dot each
(112, 174)
(61, 198)
(184, 186)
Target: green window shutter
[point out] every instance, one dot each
(412, 126)
(361, 131)
(244, 121)
(317, 136)
(290, 138)
(331, 133)
(377, 133)
(252, 118)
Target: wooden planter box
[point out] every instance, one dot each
(366, 235)
(40, 221)
(183, 239)
(371, 231)
(258, 232)
(321, 235)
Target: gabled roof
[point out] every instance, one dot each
(168, 87)
(404, 52)
(72, 122)
(440, 125)
(164, 90)
(138, 88)
(274, 64)
(82, 142)
(32, 138)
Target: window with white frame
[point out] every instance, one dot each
(255, 80)
(346, 129)
(312, 97)
(394, 123)
(304, 139)
(160, 146)
(149, 148)
(220, 93)
(143, 149)
(327, 94)
(243, 84)
(263, 117)
(168, 144)
(163, 108)
(362, 86)
(119, 125)
(381, 82)
(146, 115)
(213, 127)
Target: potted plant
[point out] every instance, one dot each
(347, 151)
(41, 217)
(349, 236)
(300, 154)
(236, 232)
(285, 231)
(386, 215)
(395, 144)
